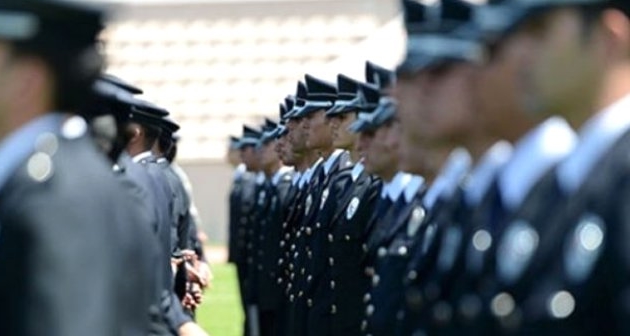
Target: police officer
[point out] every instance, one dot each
(354, 191)
(46, 255)
(574, 276)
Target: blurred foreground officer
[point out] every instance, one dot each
(572, 276)
(58, 239)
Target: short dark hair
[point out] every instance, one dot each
(151, 134)
(172, 153)
(165, 143)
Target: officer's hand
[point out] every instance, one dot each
(191, 329)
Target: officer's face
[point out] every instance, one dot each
(296, 136)
(411, 97)
(498, 89)
(268, 154)
(286, 153)
(249, 158)
(317, 128)
(364, 142)
(382, 154)
(342, 138)
(448, 119)
(569, 56)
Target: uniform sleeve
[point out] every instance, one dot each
(57, 271)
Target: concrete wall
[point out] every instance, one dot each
(211, 183)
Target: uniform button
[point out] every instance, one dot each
(280, 261)
(381, 252)
(261, 237)
(282, 243)
(347, 238)
(375, 280)
(292, 298)
(298, 234)
(295, 255)
(260, 268)
(291, 267)
(332, 284)
(369, 271)
(366, 298)
(318, 225)
(333, 309)
(293, 247)
(292, 276)
(365, 248)
(309, 231)
(369, 310)
(287, 236)
(330, 237)
(331, 261)
(364, 325)
(279, 281)
(300, 294)
(309, 303)
(260, 253)
(310, 255)
(309, 278)
(412, 275)
(402, 250)
(284, 225)
(302, 271)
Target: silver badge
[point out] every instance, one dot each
(516, 250)
(584, 247)
(261, 197)
(324, 198)
(352, 208)
(309, 202)
(429, 236)
(450, 245)
(417, 217)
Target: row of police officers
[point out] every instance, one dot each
(480, 188)
(97, 227)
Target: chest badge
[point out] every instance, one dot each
(324, 198)
(352, 208)
(516, 250)
(307, 205)
(415, 221)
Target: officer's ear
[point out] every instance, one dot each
(616, 29)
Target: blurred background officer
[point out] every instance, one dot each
(48, 256)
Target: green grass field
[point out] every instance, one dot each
(220, 313)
